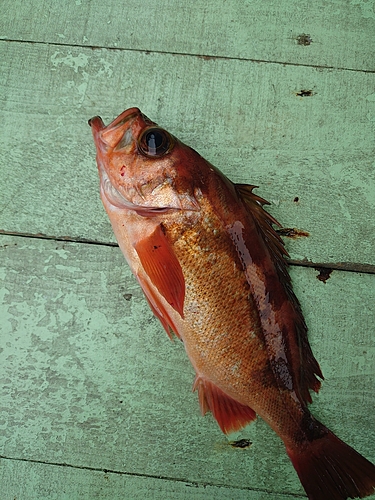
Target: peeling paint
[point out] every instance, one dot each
(62, 253)
(74, 62)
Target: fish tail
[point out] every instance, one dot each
(330, 469)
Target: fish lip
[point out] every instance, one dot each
(124, 117)
(108, 137)
(98, 127)
(96, 123)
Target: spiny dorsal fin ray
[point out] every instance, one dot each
(306, 368)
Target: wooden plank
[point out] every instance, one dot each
(89, 378)
(244, 117)
(35, 481)
(334, 34)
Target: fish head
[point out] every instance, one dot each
(143, 167)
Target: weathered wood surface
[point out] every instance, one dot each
(90, 379)
(338, 33)
(244, 117)
(27, 480)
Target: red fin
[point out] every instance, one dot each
(158, 308)
(264, 220)
(304, 365)
(162, 267)
(330, 469)
(229, 413)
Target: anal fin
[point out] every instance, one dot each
(229, 413)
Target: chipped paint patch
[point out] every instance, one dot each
(106, 67)
(62, 253)
(75, 62)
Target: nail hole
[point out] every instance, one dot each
(324, 273)
(241, 443)
(305, 93)
(304, 39)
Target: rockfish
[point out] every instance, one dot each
(213, 270)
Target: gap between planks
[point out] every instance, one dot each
(150, 476)
(353, 267)
(188, 54)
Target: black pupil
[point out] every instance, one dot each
(154, 142)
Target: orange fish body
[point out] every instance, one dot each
(213, 271)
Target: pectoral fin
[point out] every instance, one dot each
(157, 308)
(164, 271)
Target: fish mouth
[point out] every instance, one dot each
(97, 124)
(110, 135)
(124, 117)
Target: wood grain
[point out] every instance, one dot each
(90, 379)
(96, 402)
(338, 34)
(55, 482)
(249, 122)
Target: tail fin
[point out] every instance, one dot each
(330, 469)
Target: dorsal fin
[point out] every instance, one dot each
(265, 221)
(304, 365)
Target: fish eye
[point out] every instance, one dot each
(155, 142)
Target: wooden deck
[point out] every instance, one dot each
(96, 402)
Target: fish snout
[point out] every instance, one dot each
(96, 123)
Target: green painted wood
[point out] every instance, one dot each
(245, 117)
(34, 481)
(342, 32)
(88, 378)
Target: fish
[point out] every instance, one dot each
(214, 272)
